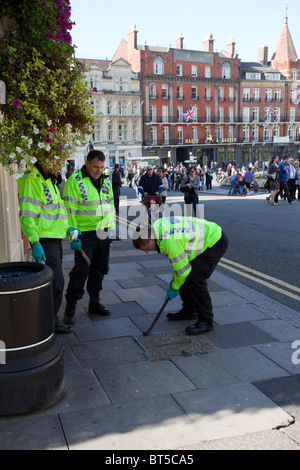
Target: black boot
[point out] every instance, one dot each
(69, 317)
(96, 308)
(182, 315)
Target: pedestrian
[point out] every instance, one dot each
(150, 183)
(208, 180)
(292, 181)
(116, 186)
(194, 248)
(161, 174)
(89, 200)
(234, 180)
(248, 179)
(284, 176)
(190, 186)
(44, 220)
(273, 180)
(297, 179)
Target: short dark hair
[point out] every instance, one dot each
(95, 154)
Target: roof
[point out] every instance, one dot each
(285, 48)
(103, 64)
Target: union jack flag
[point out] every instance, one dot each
(273, 113)
(188, 115)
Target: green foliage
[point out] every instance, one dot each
(46, 111)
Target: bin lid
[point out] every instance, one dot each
(19, 276)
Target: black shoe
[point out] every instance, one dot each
(69, 317)
(62, 330)
(199, 328)
(96, 308)
(182, 315)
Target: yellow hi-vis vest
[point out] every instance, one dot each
(87, 210)
(182, 239)
(42, 212)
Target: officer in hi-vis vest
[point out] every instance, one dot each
(194, 248)
(44, 221)
(88, 197)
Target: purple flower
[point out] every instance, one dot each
(51, 130)
(48, 141)
(95, 90)
(17, 103)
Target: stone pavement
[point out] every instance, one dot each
(234, 388)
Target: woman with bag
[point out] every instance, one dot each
(190, 186)
(273, 181)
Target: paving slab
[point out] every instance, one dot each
(237, 314)
(285, 392)
(264, 440)
(231, 410)
(246, 363)
(30, 432)
(142, 282)
(108, 352)
(137, 293)
(126, 309)
(114, 275)
(237, 335)
(108, 328)
(140, 380)
(203, 373)
(282, 354)
(153, 305)
(279, 329)
(163, 325)
(147, 424)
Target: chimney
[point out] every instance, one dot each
(231, 48)
(262, 55)
(179, 41)
(208, 45)
(132, 37)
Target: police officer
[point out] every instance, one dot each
(88, 197)
(44, 221)
(194, 247)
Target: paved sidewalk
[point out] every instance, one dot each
(234, 388)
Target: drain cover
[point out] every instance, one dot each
(164, 346)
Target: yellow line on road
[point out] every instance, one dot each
(260, 281)
(263, 275)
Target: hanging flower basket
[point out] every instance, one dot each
(46, 111)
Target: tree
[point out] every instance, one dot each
(46, 111)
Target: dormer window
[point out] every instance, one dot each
(158, 66)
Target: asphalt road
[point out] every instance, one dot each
(264, 241)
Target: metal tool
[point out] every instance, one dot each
(83, 254)
(147, 333)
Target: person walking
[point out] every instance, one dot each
(190, 186)
(116, 186)
(273, 181)
(44, 220)
(150, 183)
(284, 176)
(89, 200)
(194, 248)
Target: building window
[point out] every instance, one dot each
(221, 114)
(153, 113)
(96, 134)
(245, 133)
(292, 114)
(122, 108)
(134, 108)
(293, 95)
(109, 107)
(246, 94)
(207, 93)
(110, 133)
(194, 132)
(158, 66)
(194, 70)
(294, 75)
(152, 91)
(246, 114)
(123, 132)
(179, 70)
(153, 135)
(134, 132)
(226, 70)
(230, 114)
(165, 114)
(291, 132)
(268, 94)
(180, 134)
(166, 135)
(221, 94)
(277, 94)
(164, 91)
(207, 133)
(207, 72)
(194, 92)
(255, 114)
(179, 92)
(267, 134)
(255, 94)
(207, 114)
(255, 133)
(276, 131)
(230, 132)
(179, 114)
(231, 94)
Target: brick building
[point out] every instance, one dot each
(241, 111)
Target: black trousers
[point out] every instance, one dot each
(53, 252)
(116, 193)
(194, 292)
(97, 251)
(283, 187)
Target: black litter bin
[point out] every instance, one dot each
(31, 364)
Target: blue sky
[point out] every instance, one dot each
(101, 25)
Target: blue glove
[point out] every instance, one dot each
(111, 237)
(171, 293)
(38, 253)
(71, 230)
(75, 244)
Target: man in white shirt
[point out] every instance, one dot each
(291, 181)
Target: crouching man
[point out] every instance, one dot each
(194, 248)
